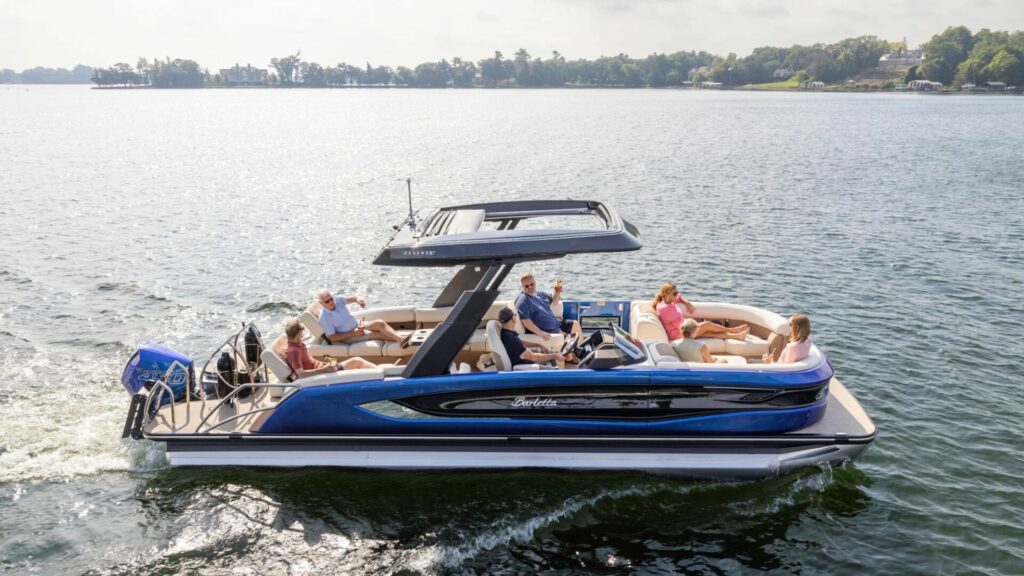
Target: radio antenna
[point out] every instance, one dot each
(408, 185)
(411, 218)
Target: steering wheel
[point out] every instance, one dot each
(570, 344)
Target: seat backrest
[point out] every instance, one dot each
(310, 318)
(277, 365)
(501, 360)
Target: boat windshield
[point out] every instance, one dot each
(629, 345)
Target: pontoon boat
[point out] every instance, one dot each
(450, 401)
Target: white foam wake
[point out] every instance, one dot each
(61, 417)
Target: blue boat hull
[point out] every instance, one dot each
(562, 403)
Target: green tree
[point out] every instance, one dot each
(522, 67)
(970, 71)
(944, 53)
(1004, 67)
(911, 75)
(492, 70)
(463, 72)
(286, 67)
(312, 74)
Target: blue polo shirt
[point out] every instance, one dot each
(538, 309)
(513, 347)
(339, 320)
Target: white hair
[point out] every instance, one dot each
(322, 293)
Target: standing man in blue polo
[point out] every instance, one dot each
(534, 310)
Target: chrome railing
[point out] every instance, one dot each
(227, 399)
(235, 344)
(163, 385)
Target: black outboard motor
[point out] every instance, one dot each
(253, 347)
(227, 380)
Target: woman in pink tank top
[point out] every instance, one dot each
(666, 303)
(799, 346)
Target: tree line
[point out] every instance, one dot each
(167, 73)
(80, 74)
(958, 57)
(955, 56)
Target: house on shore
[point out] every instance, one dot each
(994, 86)
(816, 85)
(699, 71)
(782, 73)
(924, 86)
(901, 59)
(247, 76)
(710, 85)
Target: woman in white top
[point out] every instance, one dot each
(688, 349)
(799, 346)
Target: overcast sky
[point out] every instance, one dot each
(219, 33)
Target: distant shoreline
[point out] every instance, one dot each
(748, 88)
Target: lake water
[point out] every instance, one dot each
(895, 221)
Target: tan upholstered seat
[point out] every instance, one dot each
(752, 346)
(342, 377)
(715, 345)
(646, 325)
(501, 358)
(813, 360)
(277, 365)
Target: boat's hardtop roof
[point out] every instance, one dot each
(472, 233)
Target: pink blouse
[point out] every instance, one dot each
(672, 317)
(795, 351)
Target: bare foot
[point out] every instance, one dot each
(740, 334)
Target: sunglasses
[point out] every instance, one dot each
(328, 301)
(530, 285)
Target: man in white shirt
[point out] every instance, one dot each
(340, 326)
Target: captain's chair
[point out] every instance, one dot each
(278, 366)
(501, 359)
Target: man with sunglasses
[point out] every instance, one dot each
(534, 310)
(341, 327)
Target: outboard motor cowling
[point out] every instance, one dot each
(150, 364)
(227, 380)
(253, 347)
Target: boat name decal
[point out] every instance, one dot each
(521, 402)
(418, 252)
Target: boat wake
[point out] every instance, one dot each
(512, 531)
(60, 415)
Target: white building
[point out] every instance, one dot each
(239, 76)
(782, 73)
(705, 70)
(901, 59)
(924, 86)
(816, 85)
(710, 84)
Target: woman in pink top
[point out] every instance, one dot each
(666, 303)
(799, 346)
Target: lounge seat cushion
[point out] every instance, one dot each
(646, 325)
(814, 359)
(433, 316)
(342, 377)
(715, 345)
(751, 347)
